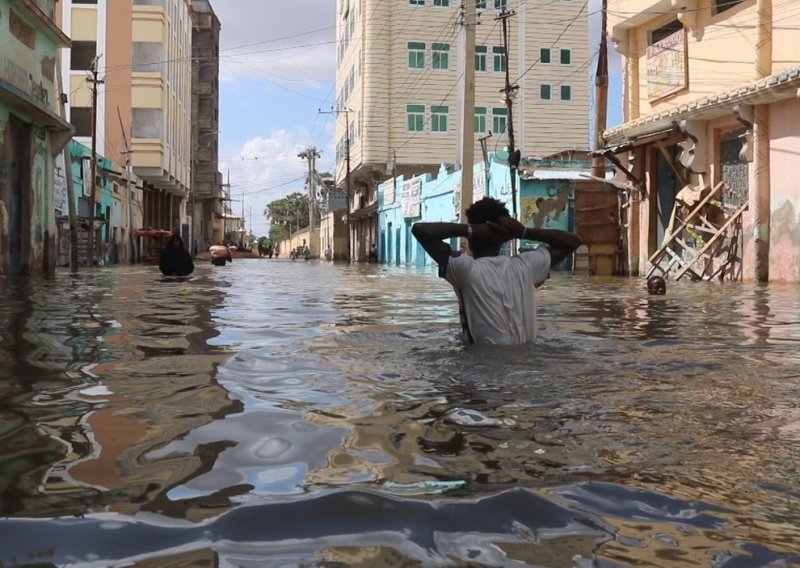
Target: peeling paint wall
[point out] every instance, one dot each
(27, 221)
(784, 262)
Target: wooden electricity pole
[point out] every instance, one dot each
(601, 96)
(466, 140)
(311, 154)
(95, 81)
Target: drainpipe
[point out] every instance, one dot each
(760, 196)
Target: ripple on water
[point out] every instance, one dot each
(328, 413)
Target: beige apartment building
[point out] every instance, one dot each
(398, 69)
(710, 104)
(143, 49)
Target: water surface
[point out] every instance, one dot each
(276, 413)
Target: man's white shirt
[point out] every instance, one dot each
(497, 294)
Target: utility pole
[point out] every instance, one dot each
(601, 95)
(466, 140)
(311, 154)
(73, 217)
(509, 92)
(346, 113)
(94, 81)
(129, 176)
(225, 201)
(241, 232)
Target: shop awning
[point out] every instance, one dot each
(60, 129)
(776, 87)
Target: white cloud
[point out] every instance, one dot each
(266, 169)
(287, 42)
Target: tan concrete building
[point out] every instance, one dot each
(143, 48)
(206, 188)
(397, 76)
(710, 98)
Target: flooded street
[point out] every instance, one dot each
(276, 413)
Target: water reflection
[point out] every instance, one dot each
(313, 413)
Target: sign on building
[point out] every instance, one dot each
(666, 66)
(389, 191)
(412, 198)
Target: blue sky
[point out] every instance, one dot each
(277, 70)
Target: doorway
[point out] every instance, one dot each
(668, 184)
(19, 195)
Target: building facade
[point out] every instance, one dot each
(398, 69)
(709, 109)
(142, 51)
(31, 134)
(206, 187)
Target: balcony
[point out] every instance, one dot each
(44, 11)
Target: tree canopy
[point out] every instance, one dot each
(287, 215)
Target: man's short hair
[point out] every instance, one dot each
(653, 280)
(486, 209)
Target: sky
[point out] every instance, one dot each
(277, 77)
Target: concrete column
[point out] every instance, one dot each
(760, 194)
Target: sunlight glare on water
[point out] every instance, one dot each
(283, 413)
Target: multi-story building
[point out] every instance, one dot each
(31, 134)
(710, 98)
(206, 188)
(397, 81)
(142, 50)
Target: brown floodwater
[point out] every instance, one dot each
(277, 413)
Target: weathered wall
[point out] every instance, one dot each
(785, 191)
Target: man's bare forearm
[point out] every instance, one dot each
(554, 238)
(439, 231)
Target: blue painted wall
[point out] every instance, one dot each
(541, 203)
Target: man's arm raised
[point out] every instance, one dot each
(431, 236)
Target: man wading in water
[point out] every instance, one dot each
(495, 293)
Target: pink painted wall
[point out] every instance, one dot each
(785, 191)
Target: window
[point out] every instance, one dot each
(416, 55)
(566, 93)
(544, 55)
(722, 5)
(480, 119)
(498, 120)
(441, 56)
(544, 92)
(417, 2)
(415, 115)
(442, 3)
(84, 1)
(82, 54)
(500, 4)
(480, 58)
(499, 57)
(664, 31)
(566, 57)
(480, 4)
(81, 119)
(439, 118)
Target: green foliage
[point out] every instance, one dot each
(287, 215)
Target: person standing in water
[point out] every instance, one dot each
(175, 260)
(495, 293)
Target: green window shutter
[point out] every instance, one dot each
(440, 46)
(499, 111)
(416, 45)
(544, 92)
(480, 119)
(544, 55)
(415, 108)
(439, 109)
(566, 93)
(566, 57)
